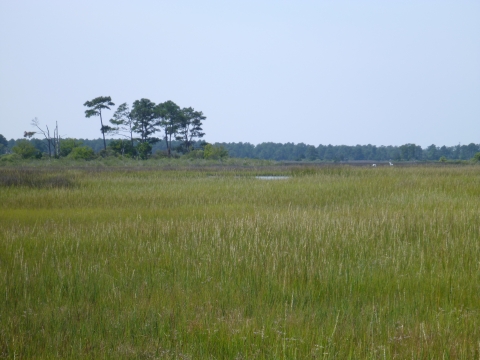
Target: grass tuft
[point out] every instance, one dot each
(35, 178)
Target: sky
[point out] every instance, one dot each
(318, 72)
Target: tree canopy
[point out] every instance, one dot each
(123, 120)
(190, 127)
(170, 116)
(144, 120)
(95, 109)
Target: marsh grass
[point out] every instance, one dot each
(333, 263)
(109, 162)
(34, 178)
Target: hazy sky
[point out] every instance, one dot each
(319, 72)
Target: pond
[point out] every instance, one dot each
(272, 177)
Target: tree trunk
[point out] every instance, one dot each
(103, 132)
(169, 145)
(166, 141)
(131, 133)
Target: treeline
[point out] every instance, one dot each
(80, 149)
(301, 151)
(148, 129)
(267, 151)
(97, 145)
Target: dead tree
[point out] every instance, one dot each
(52, 141)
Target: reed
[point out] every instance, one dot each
(332, 263)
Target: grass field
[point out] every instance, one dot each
(332, 263)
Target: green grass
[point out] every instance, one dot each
(113, 161)
(333, 263)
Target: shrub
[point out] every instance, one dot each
(106, 153)
(214, 152)
(443, 159)
(26, 150)
(476, 157)
(194, 154)
(67, 146)
(122, 147)
(82, 153)
(144, 150)
(160, 154)
(10, 158)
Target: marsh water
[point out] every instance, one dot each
(272, 177)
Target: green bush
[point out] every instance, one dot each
(214, 152)
(194, 154)
(476, 157)
(107, 153)
(160, 154)
(443, 159)
(82, 153)
(123, 148)
(26, 150)
(144, 150)
(10, 158)
(67, 146)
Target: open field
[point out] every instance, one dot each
(333, 263)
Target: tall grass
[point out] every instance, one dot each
(36, 178)
(332, 263)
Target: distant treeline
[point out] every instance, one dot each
(301, 151)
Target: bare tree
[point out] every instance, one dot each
(53, 142)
